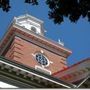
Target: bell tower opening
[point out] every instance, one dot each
(30, 23)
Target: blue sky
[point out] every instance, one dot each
(76, 36)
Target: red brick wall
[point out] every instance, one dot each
(21, 51)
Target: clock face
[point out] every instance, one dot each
(42, 59)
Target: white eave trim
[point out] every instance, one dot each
(36, 74)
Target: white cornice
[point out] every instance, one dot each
(30, 72)
(27, 16)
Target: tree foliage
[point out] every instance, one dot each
(72, 9)
(5, 5)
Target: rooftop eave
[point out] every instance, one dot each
(68, 51)
(34, 72)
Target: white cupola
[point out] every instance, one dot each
(31, 23)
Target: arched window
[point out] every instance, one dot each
(33, 29)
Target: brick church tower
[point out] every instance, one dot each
(25, 43)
